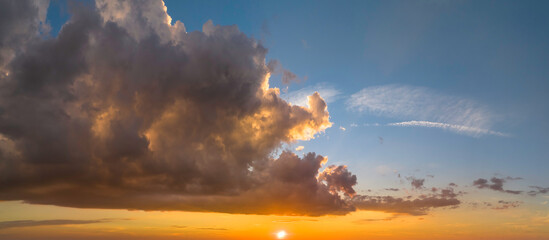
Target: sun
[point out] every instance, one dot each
(281, 234)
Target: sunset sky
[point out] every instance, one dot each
(274, 120)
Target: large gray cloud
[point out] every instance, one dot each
(124, 109)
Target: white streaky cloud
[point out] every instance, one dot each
(299, 148)
(299, 97)
(471, 131)
(426, 106)
(342, 128)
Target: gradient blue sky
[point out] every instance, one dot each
(491, 54)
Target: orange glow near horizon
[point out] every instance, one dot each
(451, 224)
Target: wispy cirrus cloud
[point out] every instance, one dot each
(423, 107)
(466, 130)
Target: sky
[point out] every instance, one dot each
(249, 119)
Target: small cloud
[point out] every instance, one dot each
(342, 128)
(392, 189)
(502, 205)
(538, 190)
(495, 184)
(368, 220)
(299, 148)
(36, 223)
(354, 125)
(214, 229)
(416, 183)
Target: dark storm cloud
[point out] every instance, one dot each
(36, 223)
(20, 21)
(495, 184)
(124, 109)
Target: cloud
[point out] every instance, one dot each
(287, 77)
(407, 205)
(538, 190)
(427, 107)
(342, 128)
(338, 179)
(125, 109)
(299, 97)
(21, 23)
(299, 148)
(502, 205)
(37, 223)
(369, 220)
(214, 229)
(471, 131)
(416, 183)
(496, 185)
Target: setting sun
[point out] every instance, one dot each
(281, 234)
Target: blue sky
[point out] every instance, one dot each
(467, 53)
(118, 122)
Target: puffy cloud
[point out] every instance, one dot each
(339, 179)
(20, 22)
(125, 110)
(416, 183)
(496, 185)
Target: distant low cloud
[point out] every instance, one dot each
(538, 190)
(36, 223)
(495, 184)
(424, 107)
(406, 205)
(416, 183)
